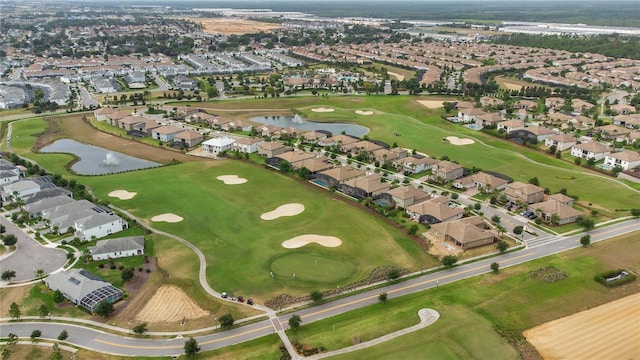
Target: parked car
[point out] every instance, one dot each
(224, 295)
(232, 298)
(240, 299)
(532, 216)
(250, 301)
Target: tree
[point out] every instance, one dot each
(63, 335)
(394, 273)
(449, 261)
(413, 229)
(127, 274)
(226, 321)
(495, 219)
(191, 347)
(7, 275)
(58, 296)
(383, 297)
(635, 212)
(104, 309)
(56, 354)
(35, 334)
(40, 274)
(316, 296)
(502, 246)
(6, 353)
(14, 311)
(140, 329)
(518, 230)
(294, 322)
(12, 339)
(585, 240)
(586, 223)
(534, 180)
(495, 267)
(43, 311)
(10, 240)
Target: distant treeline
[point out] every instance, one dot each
(609, 45)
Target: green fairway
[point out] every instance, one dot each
(312, 267)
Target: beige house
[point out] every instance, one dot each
(359, 146)
(434, 211)
(466, 233)
(271, 149)
(339, 175)
(101, 114)
(189, 138)
(146, 126)
(590, 150)
(526, 193)
(405, 196)
(490, 120)
(469, 115)
(128, 122)
(415, 165)
(511, 126)
(165, 133)
(314, 165)
(562, 142)
(626, 159)
(445, 171)
(247, 145)
(338, 140)
(555, 207)
(481, 180)
(364, 186)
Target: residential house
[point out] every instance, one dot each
(146, 126)
(556, 210)
(630, 121)
(247, 145)
(360, 146)
(562, 142)
(469, 115)
(579, 106)
(184, 83)
(490, 101)
(434, 211)
(20, 189)
(117, 248)
(313, 136)
(236, 125)
(368, 186)
(590, 150)
(189, 138)
(489, 120)
(627, 160)
(613, 132)
(445, 171)
(217, 145)
(540, 133)
(383, 155)
(165, 133)
(405, 196)
(623, 108)
(35, 208)
(8, 172)
(313, 165)
(290, 157)
(268, 130)
(481, 180)
(128, 122)
(338, 140)
(271, 149)
(466, 233)
(113, 117)
(554, 103)
(98, 222)
(526, 193)
(338, 175)
(527, 105)
(511, 126)
(47, 193)
(83, 288)
(414, 165)
(101, 114)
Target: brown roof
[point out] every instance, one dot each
(314, 164)
(295, 156)
(370, 183)
(189, 135)
(526, 189)
(563, 138)
(464, 230)
(539, 130)
(363, 145)
(626, 155)
(437, 207)
(594, 147)
(130, 120)
(343, 173)
(271, 145)
(488, 179)
(408, 192)
(167, 129)
(554, 207)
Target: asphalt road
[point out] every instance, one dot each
(100, 341)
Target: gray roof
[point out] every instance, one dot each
(48, 193)
(118, 244)
(20, 186)
(82, 287)
(47, 203)
(93, 219)
(66, 209)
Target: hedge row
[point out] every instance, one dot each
(602, 278)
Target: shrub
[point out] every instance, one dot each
(101, 266)
(602, 278)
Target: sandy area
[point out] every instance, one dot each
(230, 26)
(302, 240)
(396, 75)
(291, 209)
(170, 304)
(167, 217)
(232, 179)
(609, 331)
(431, 104)
(323, 109)
(122, 194)
(364, 112)
(457, 141)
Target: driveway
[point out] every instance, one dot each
(30, 255)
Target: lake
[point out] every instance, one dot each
(96, 160)
(303, 124)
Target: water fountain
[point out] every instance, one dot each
(110, 160)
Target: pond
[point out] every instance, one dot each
(95, 160)
(299, 122)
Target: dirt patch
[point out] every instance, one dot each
(323, 109)
(431, 104)
(396, 75)
(454, 140)
(440, 247)
(232, 179)
(12, 295)
(291, 209)
(170, 304)
(167, 217)
(122, 194)
(302, 240)
(609, 331)
(229, 26)
(364, 112)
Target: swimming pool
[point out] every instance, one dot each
(604, 167)
(474, 127)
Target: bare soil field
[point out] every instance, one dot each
(170, 304)
(400, 77)
(431, 104)
(11, 295)
(609, 331)
(229, 26)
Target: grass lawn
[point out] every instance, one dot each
(472, 308)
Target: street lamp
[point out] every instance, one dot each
(129, 327)
(216, 319)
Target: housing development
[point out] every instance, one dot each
(277, 181)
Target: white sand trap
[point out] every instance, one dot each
(431, 104)
(167, 217)
(232, 179)
(364, 112)
(323, 109)
(302, 240)
(291, 209)
(122, 194)
(457, 141)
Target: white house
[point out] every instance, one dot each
(8, 172)
(469, 115)
(19, 189)
(118, 247)
(626, 159)
(165, 133)
(247, 145)
(98, 225)
(511, 125)
(561, 141)
(590, 150)
(218, 144)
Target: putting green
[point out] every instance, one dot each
(309, 267)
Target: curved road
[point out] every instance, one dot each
(101, 341)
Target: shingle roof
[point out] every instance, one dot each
(118, 244)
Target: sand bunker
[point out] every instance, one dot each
(232, 179)
(170, 304)
(302, 240)
(167, 217)
(457, 141)
(396, 75)
(364, 112)
(122, 194)
(609, 331)
(291, 209)
(431, 104)
(323, 109)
